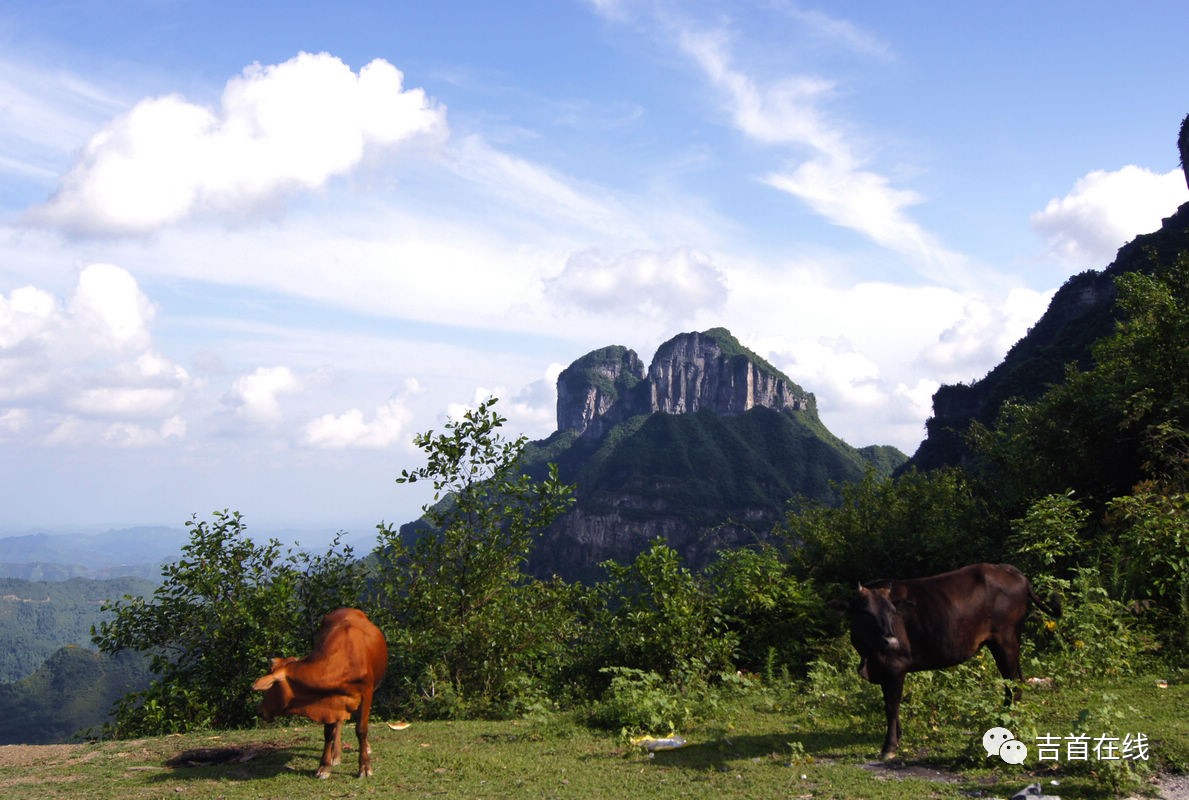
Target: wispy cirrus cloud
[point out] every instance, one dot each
(825, 169)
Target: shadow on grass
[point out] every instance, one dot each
(254, 761)
(826, 746)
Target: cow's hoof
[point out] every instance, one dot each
(365, 773)
(887, 755)
(322, 774)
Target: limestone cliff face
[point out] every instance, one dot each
(590, 388)
(689, 373)
(695, 371)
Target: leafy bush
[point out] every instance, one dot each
(917, 524)
(1097, 634)
(640, 701)
(222, 610)
(470, 632)
(1153, 547)
(776, 618)
(656, 616)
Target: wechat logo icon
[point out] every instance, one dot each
(1001, 742)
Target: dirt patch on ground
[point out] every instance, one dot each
(1170, 787)
(898, 769)
(23, 755)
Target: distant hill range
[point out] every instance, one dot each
(1080, 313)
(129, 552)
(704, 449)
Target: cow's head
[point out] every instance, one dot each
(876, 624)
(275, 685)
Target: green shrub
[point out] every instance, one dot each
(639, 701)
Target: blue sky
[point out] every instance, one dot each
(246, 252)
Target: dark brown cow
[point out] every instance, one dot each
(902, 626)
(336, 679)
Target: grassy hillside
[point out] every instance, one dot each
(39, 617)
(70, 694)
(771, 743)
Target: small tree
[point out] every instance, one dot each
(777, 618)
(472, 632)
(222, 609)
(657, 616)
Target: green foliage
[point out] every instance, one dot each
(656, 616)
(1153, 545)
(70, 695)
(1096, 634)
(916, 524)
(639, 701)
(225, 607)
(776, 618)
(1048, 538)
(1105, 429)
(470, 632)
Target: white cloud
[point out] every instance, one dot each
(109, 308)
(128, 434)
(92, 353)
(969, 347)
(828, 175)
(254, 397)
(25, 316)
(673, 284)
(280, 128)
(1105, 210)
(13, 421)
(118, 401)
(388, 425)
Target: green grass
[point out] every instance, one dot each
(769, 743)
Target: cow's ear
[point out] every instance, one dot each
(265, 683)
(905, 604)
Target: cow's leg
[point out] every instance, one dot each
(1007, 658)
(365, 749)
(893, 691)
(332, 748)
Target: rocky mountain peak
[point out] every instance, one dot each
(592, 386)
(693, 371)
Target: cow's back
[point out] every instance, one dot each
(954, 612)
(349, 649)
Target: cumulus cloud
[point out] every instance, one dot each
(279, 128)
(673, 284)
(80, 367)
(531, 410)
(836, 372)
(388, 425)
(1105, 210)
(255, 396)
(983, 335)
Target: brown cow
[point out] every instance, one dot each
(902, 626)
(337, 678)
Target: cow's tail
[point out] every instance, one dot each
(1052, 606)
